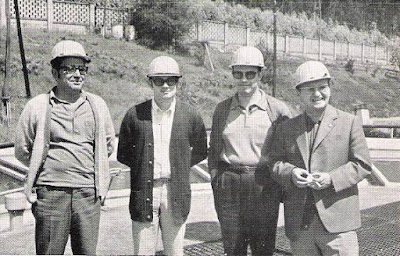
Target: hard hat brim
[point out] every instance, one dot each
(85, 58)
(299, 85)
(169, 74)
(234, 65)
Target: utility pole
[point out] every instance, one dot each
(21, 50)
(5, 94)
(275, 55)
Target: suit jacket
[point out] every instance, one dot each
(188, 146)
(341, 150)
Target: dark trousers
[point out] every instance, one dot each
(248, 213)
(60, 212)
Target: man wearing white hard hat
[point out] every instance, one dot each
(247, 205)
(160, 140)
(65, 137)
(319, 157)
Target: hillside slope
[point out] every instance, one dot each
(118, 73)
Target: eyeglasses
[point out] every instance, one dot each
(170, 81)
(72, 69)
(249, 74)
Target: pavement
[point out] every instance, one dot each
(380, 234)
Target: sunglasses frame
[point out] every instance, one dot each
(246, 74)
(165, 81)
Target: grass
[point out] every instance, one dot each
(118, 74)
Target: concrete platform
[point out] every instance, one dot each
(380, 234)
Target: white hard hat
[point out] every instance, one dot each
(248, 56)
(311, 71)
(164, 66)
(68, 48)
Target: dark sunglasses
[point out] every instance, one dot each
(72, 69)
(239, 75)
(170, 81)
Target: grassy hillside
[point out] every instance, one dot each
(118, 70)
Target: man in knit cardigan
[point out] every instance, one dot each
(65, 138)
(160, 139)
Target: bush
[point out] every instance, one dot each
(160, 24)
(349, 67)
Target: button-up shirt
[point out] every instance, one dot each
(245, 132)
(162, 124)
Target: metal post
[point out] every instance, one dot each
(22, 51)
(275, 55)
(5, 95)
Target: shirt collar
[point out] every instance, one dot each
(53, 96)
(156, 108)
(262, 103)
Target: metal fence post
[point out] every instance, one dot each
(49, 15)
(334, 50)
(92, 17)
(319, 49)
(362, 52)
(2, 13)
(247, 36)
(348, 50)
(287, 45)
(226, 27)
(199, 31)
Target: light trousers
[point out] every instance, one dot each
(316, 241)
(146, 234)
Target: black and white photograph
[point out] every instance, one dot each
(200, 127)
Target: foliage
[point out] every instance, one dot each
(395, 52)
(361, 15)
(160, 24)
(349, 67)
(298, 23)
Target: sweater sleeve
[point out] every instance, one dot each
(198, 140)
(125, 152)
(25, 135)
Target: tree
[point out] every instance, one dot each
(160, 24)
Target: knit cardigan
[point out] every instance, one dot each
(32, 140)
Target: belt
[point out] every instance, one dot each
(237, 168)
(161, 181)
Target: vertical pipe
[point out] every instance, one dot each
(275, 55)
(22, 51)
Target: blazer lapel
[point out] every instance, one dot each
(327, 124)
(302, 141)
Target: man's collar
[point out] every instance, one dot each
(155, 107)
(53, 95)
(262, 103)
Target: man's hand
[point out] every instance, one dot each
(320, 180)
(31, 197)
(300, 177)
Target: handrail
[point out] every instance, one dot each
(6, 145)
(381, 125)
(11, 191)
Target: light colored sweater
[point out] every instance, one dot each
(33, 139)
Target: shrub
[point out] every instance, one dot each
(349, 67)
(160, 24)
